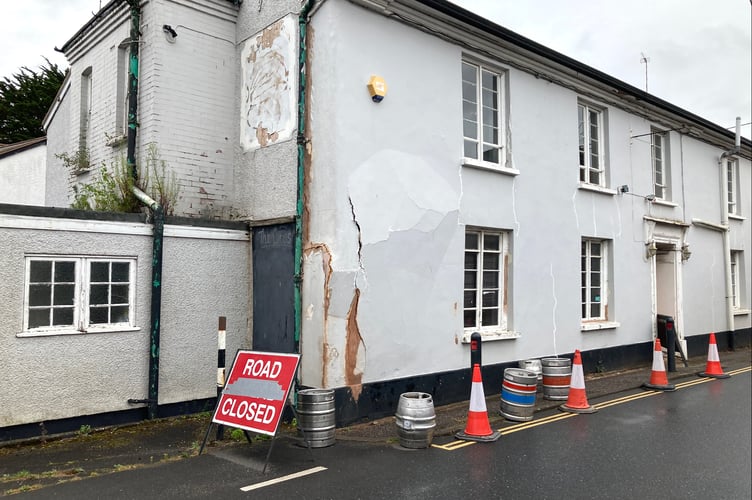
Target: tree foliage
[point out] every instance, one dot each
(25, 98)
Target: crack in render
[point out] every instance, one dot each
(360, 239)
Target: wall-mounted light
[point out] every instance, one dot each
(377, 88)
(651, 249)
(170, 34)
(624, 189)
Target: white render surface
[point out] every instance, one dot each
(390, 202)
(23, 176)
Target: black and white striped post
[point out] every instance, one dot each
(221, 343)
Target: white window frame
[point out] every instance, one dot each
(585, 143)
(85, 110)
(735, 279)
(123, 89)
(81, 300)
(660, 160)
(732, 186)
(500, 328)
(473, 116)
(587, 300)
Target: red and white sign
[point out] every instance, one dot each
(256, 391)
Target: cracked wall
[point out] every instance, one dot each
(388, 195)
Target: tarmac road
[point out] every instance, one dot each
(158, 459)
(692, 443)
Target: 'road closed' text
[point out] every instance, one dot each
(252, 412)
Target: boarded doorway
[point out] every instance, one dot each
(274, 288)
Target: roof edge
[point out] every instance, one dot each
(476, 21)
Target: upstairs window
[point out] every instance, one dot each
(78, 295)
(85, 112)
(591, 145)
(732, 187)
(123, 77)
(482, 115)
(659, 153)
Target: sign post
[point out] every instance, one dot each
(256, 392)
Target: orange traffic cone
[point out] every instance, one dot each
(658, 378)
(713, 367)
(577, 399)
(477, 428)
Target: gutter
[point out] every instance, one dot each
(443, 12)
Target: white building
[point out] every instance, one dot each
(22, 172)
(498, 187)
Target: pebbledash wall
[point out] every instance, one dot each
(57, 382)
(390, 200)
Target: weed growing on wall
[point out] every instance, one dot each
(77, 162)
(111, 188)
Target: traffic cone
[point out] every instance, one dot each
(658, 378)
(713, 367)
(477, 428)
(577, 399)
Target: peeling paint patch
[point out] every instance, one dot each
(353, 373)
(269, 85)
(326, 263)
(411, 196)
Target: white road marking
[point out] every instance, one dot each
(283, 479)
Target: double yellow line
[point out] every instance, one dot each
(553, 418)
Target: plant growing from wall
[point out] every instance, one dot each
(164, 182)
(77, 162)
(111, 188)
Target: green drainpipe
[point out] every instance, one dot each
(302, 24)
(152, 400)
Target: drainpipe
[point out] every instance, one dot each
(302, 59)
(152, 400)
(133, 87)
(723, 163)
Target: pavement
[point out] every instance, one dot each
(35, 464)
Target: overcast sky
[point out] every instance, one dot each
(700, 51)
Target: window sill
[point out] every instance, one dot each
(55, 333)
(491, 335)
(665, 203)
(736, 217)
(741, 312)
(596, 189)
(599, 325)
(117, 140)
(493, 167)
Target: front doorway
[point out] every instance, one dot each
(667, 287)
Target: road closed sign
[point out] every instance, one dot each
(256, 391)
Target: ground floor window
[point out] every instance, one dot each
(736, 262)
(78, 294)
(486, 279)
(594, 279)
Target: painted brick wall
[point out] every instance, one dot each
(187, 89)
